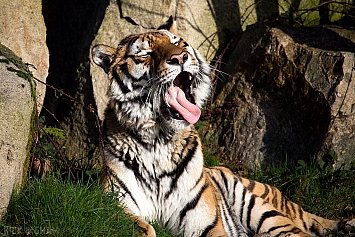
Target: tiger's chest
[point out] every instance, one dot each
(157, 180)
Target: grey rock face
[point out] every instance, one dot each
(291, 96)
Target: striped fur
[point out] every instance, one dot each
(154, 155)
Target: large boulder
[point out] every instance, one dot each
(22, 29)
(291, 96)
(17, 92)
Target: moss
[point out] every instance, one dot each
(21, 69)
(4, 60)
(29, 145)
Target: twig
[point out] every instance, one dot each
(242, 16)
(53, 115)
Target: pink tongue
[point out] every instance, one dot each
(176, 99)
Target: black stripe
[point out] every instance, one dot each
(293, 209)
(288, 210)
(251, 186)
(124, 187)
(300, 212)
(225, 180)
(250, 208)
(277, 227)
(234, 188)
(283, 203)
(274, 198)
(294, 230)
(117, 78)
(198, 181)
(209, 227)
(266, 215)
(192, 204)
(266, 192)
(242, 206)
(180, 168)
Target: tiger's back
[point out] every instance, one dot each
(158, 83)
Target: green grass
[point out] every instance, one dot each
(53, 207)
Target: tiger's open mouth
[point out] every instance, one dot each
(181, 104)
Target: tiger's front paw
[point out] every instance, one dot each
(149, 231)
(146, 229)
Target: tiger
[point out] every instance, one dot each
(153, 153)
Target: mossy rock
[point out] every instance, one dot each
(17, 101)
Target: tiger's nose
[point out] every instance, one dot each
(178, 59)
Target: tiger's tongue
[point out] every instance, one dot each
(176, 99)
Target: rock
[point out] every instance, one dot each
(16, 110)
(291, 96)
(22, 29)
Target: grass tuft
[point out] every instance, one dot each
(53, 207)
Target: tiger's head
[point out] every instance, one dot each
(157, 79)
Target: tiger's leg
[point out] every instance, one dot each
(261, 209)
(304, 221)
(307, 222)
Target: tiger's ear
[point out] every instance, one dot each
(103, 55)
(169, 25)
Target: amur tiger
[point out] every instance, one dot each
(158, 83)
